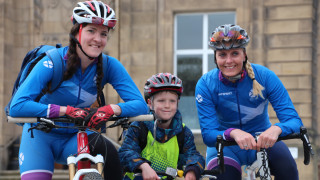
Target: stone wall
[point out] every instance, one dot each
(283, 38)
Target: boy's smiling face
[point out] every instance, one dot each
(164, 104)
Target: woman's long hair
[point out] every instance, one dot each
(257, 88)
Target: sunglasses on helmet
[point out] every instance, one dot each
(231, 35)
(233, 39)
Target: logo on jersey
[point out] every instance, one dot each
(48, 64)
(225, 94)
(21, 158)
(95, 79)
(251, 93)
(252, 96)
(199, 98)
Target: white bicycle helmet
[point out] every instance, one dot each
(94, 12)
(229, 36)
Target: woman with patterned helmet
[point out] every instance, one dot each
(79, 97)
(164, 143)
(232, 100)
(94, 12)
(91, 12)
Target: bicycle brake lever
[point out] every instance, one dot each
(43, 126)
(307, 148)
(219, 147)
(121, 121)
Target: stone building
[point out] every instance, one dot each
(171, 36)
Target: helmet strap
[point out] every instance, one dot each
(78, 43)
(235, 78)
(215, 59)
(158, 120)
(80, 33)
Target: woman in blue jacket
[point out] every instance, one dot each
(87, 71)
(232, 100)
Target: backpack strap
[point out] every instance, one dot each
(102, 98)
(58, 68)
(180, 138)
(144, 135)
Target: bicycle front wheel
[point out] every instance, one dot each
(93, 176)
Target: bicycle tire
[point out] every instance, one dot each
(93, 176)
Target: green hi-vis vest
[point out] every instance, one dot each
(161, 155)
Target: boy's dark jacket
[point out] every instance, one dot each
(130, 152)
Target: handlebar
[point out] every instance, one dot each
(172, 173)
(148, 117)
(46, 124)
(303, 135)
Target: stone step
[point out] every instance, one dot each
(15, 175)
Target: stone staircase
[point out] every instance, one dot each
(14, 175)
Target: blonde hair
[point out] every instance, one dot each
(256, 87)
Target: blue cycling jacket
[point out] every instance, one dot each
(222, 105)
(79, 91)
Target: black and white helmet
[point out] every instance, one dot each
(229, 36)
(94, 12)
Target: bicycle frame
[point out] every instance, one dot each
(172, 173)
(262, 165)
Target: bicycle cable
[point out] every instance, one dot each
(264, 165)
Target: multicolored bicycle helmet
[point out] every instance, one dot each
(229, 36)
(162, 82)
(94, 12)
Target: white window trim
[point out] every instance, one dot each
(205, 51)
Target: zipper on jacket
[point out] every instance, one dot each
(80, 82)
(238, 104)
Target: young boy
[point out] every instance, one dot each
(163, 138)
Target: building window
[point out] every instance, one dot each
(193, 57)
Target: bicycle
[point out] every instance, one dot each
(171, 173)
(260, 167)
(83, 160)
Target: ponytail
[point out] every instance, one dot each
(256, 87)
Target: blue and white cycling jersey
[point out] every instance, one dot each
(222, 105)
(79, 91)
(39, 150)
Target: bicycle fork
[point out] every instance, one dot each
(83, 159)
(261, 164)
(264, 170)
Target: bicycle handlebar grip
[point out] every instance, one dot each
(22, 119)
(211, 172)
(180, 173)
(147, 117)
(306, 153)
